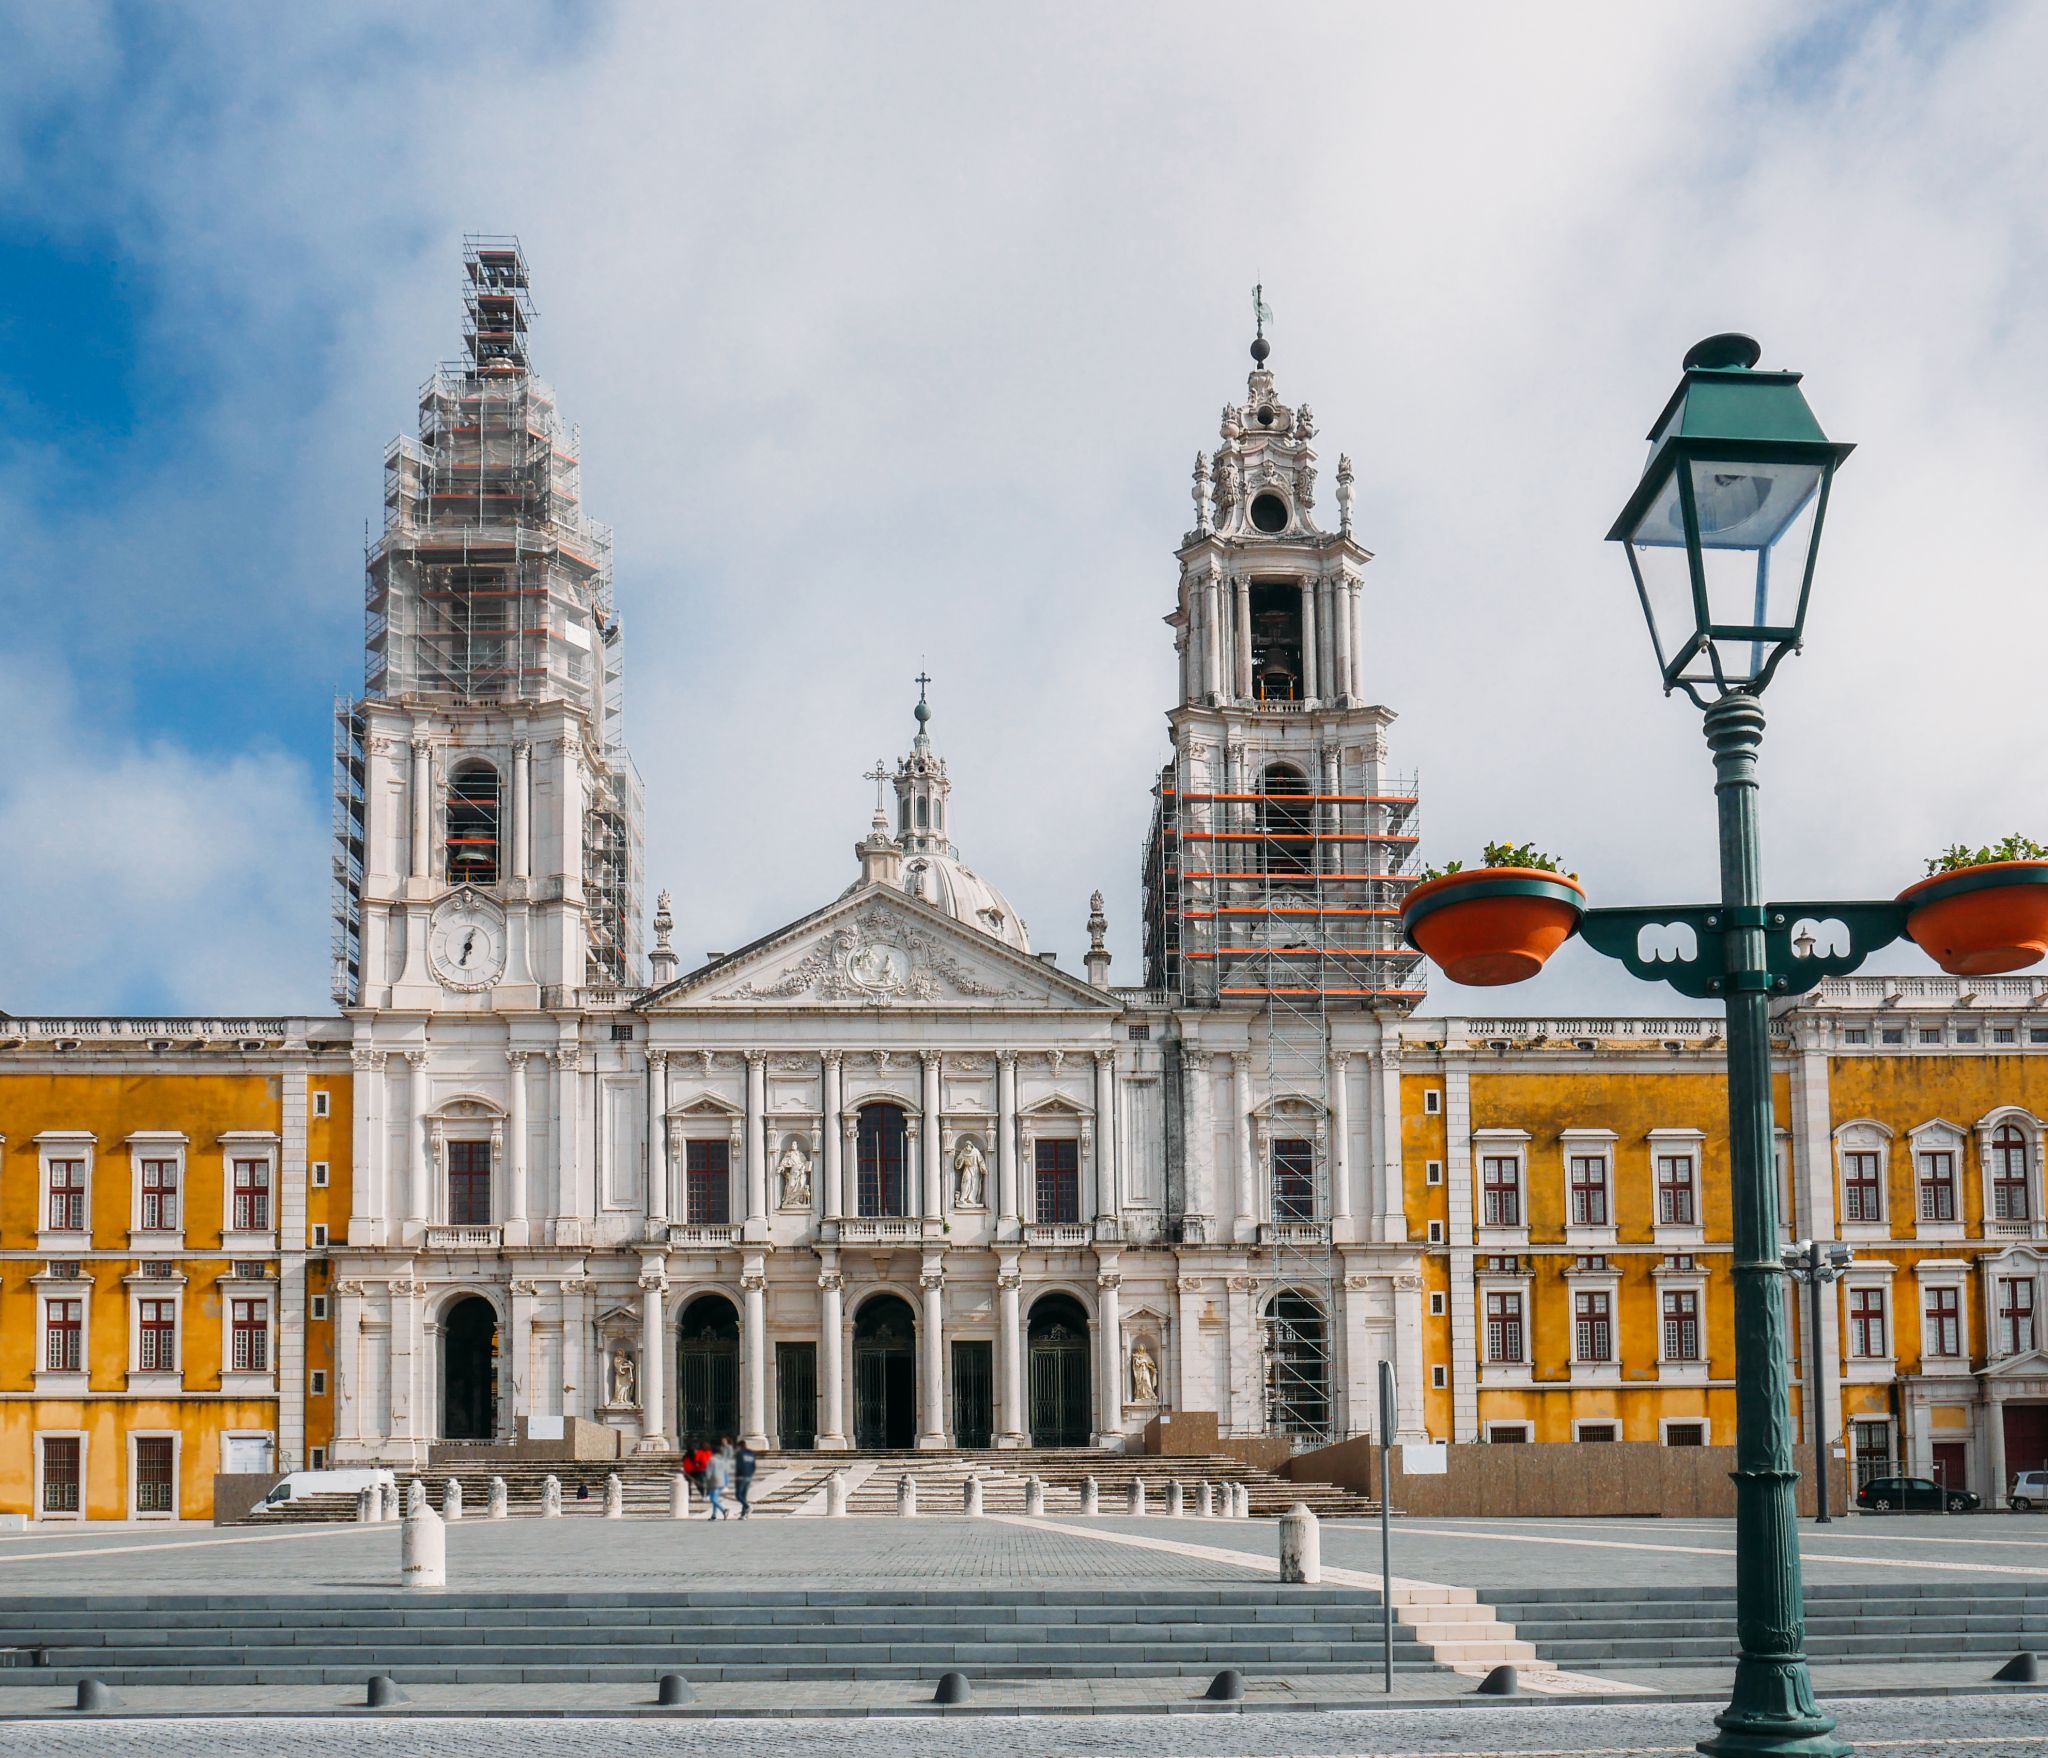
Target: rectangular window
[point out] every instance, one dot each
(1589, 1190)
(249, 1336)
(1856, 1035)
(317, 1308)
(67, 1196)
(1436, 1233)
(1058, 1172)
(1966, 1034)
(1432, 1100)
(1513, 1434)
(1862, 1188)
(1685, 1434)
(159, 1196)
(60, 1473)
(1893, 1034)
(155, 1484)
(1500, 1189)
(1681, 1324)
(319, 1174)
(2015, 1315)
(1439, 1377)
(157, 1334)
(707, 1183)
(1294, 1180)
(320, 1102)
(319, 1385)
(1139, 1034)
(883, 1149)
(252, 1196)
(319, 1235)
(1937, 1186)
(2004, 1035)
(1930, 1034)
(1436, 1305)
(1433, 1172)
(1504, 1327)
(2009, 1175)
(316, 1459)
(1675, 1204)
(1597, 1431)
(1944, 1321)
(64, 1336)
(469, 1183)
(1866, 1323)
(1593, 1327)
(1870, 1450)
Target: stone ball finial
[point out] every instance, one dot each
(1261, 348)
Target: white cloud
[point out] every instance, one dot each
(893, 332)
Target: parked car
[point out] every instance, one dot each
(2029, 1491)
(1882, 1495)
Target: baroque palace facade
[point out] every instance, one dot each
(888, 1178)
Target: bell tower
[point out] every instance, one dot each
(1281, 843)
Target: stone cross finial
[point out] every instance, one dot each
(879, 775)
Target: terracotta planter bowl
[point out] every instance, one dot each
(1979, 921)
(1493, 925)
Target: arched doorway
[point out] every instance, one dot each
(884, 1374)
(708, 1371)
(469, 1370)
(1059, 1374)
(1297, 1367)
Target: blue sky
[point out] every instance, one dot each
(892, 332)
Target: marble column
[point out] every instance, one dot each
(1109, 1332)
(1010, 1429)
(831, 1173)
(1408, 1367)
(653, 1393)
(1340, 634)
(849, 1165)
(368, 1199)
(756, 1167)
(1108, 1205)
(568, 1138)
(1212, 645)
(416, 1193)
(931, 1352)
(522, 811)
(657, 1141)
(1311, 676)
(1201, 1145)
(515, 1139)
(1351, 588)
(1393, 1209)
(1243, 595)
(1006, 1142)
(831, 1354)
(1247, 1203)
(422, 809)
(1340, 1138)
(754, 1347)
(932, 1144)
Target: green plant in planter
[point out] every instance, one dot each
(1505, 854)
(2013, 848)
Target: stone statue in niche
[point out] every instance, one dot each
(970, 1175)
(1144, 1375)
(794, 1172)
(625, 1381)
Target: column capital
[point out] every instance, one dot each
(517, 1058)
(931, 1281)
(367, 1061)
(1109, 1281)
(1009, 1277)
(566, 1056)
(754, 1281)
(416, 1059)
(422, 744)
(522, 747)
(831, 1281)
(1340, 1058)
(930, 1058)
(1105, 1058)
(1006, 1058)
(654, 1281)
(1387, 1056)
(831, 1058)
(756, 1059)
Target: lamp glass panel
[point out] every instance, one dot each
(1756, 537)
(1657, 547)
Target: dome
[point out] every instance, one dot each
(942, 881)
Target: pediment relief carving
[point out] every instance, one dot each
(877, 956)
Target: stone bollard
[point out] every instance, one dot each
(1176, 1499)
(363, 1514)
(1091, 1496)
(1205, 1499)
(1301, 1546)
(451, 1500)
(423, 1550)
(393, 1511)
(415, 1497)
(1135, 1503)
(1244, 1501)
(551, 1497)
(970, 1498)
(501, 1503)
(1034, 1495)
(906, 1494)
(679, 1497)
(835, 1494)
(614, 1498)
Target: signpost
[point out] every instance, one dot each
(1386, 1524)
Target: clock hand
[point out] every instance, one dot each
(468, 945)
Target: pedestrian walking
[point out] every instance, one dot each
(718, 1479)
(743, 1466)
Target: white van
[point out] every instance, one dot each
(315, 1483)
(2029, 1491)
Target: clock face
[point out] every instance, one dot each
(467, 945)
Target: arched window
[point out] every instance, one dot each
(883, 1148)
(2011, 1195)
(1286, 818)
(923, 814)
(473, 825)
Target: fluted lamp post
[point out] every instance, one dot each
(1721, 535)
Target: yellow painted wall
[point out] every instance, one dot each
(1423, 1139)
(329, 1138)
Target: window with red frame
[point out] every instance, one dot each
(1593, 1326)
(1675, 1204)
(469, 1183)
(249, 1336)
(252, 1196)
(2009, 1181)
(64, 1336)
(157, 1327)
(67, 1196)
(1937, 1186)
(1681, 1324)
(1500, 1191)
(1862, 1188)
(159, 1196)
(2015, 1315)
(1867, 1323)
(707, 1183)
(1589, 1190)
(1058, 1173)
(1504, 1327)
(1944, 1321)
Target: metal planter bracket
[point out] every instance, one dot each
(1617, 934)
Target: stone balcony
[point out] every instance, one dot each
(1315, 1233)
(1059, 1234)
(703, 1233)
(472, 1236)
(880, 1230)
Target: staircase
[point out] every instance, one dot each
(492, 1639)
